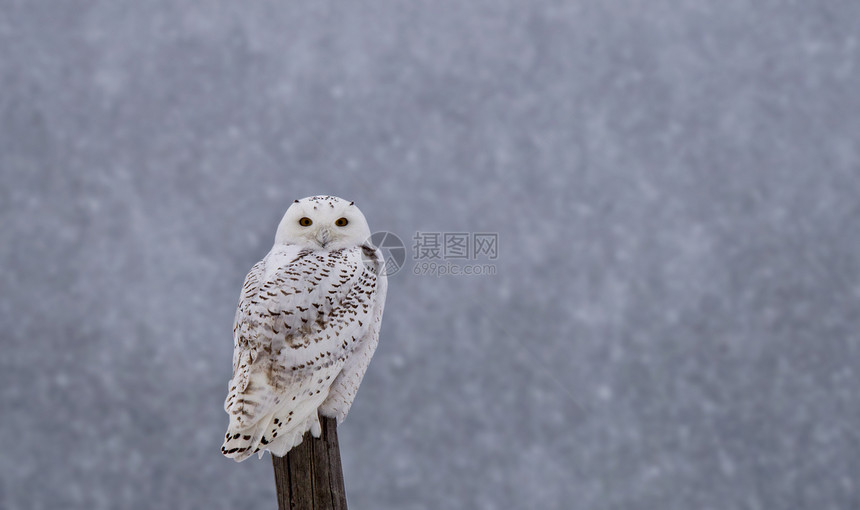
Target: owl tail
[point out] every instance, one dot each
(241, 444)
(291, 436)
(278, 433)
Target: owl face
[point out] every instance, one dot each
(323, 223)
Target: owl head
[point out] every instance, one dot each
(323, 223)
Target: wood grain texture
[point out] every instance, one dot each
(310, 476)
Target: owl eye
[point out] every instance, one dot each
(305, 222)
(341, 222)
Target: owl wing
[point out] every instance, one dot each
(344, 388)
(300, 317)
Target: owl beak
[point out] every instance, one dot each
(323, 236)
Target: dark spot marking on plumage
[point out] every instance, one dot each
(264, 440)
(246, 437)
(295, 201)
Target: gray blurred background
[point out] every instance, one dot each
(675, 318)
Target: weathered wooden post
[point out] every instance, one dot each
(310, 476)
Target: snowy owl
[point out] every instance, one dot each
(307, 324)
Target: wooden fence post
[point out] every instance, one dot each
(310, 476)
